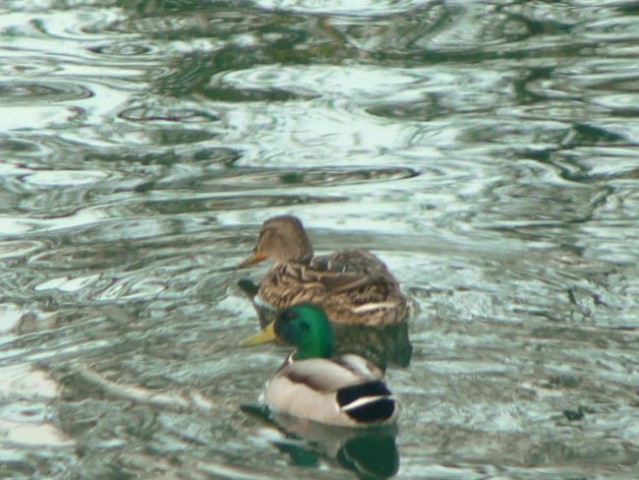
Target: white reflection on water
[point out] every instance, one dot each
(20, 224)
(23, 418)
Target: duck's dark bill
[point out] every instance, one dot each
(255, 257)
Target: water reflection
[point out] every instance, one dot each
(369, 452)
(29, 438)
(487, 148)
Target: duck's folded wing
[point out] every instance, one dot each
(343, 282)
(323, 375)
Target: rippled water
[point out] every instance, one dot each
(486, 150)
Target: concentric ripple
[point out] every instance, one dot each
(19, 93)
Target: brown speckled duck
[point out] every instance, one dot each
(352, 286)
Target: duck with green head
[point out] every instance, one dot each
(312, 384)
(352, 286)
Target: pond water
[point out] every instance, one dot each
(487, 151)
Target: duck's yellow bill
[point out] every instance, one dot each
(265, 336)
(253, 258)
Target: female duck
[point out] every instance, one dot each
(346, 390)
(352, 286)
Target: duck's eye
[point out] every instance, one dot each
(288, 315)
(266, 236)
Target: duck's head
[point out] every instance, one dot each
(305, 326)
(282, 238)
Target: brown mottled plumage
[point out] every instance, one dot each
(352, 286)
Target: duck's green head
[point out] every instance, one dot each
(305, 326)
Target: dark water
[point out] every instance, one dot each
(488, 151)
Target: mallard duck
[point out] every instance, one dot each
(311, 384)
(384, 345)
(352, 286)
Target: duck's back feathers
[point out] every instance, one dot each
(353, 286)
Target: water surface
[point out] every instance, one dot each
(487, 151)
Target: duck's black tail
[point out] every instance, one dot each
(370, 402)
